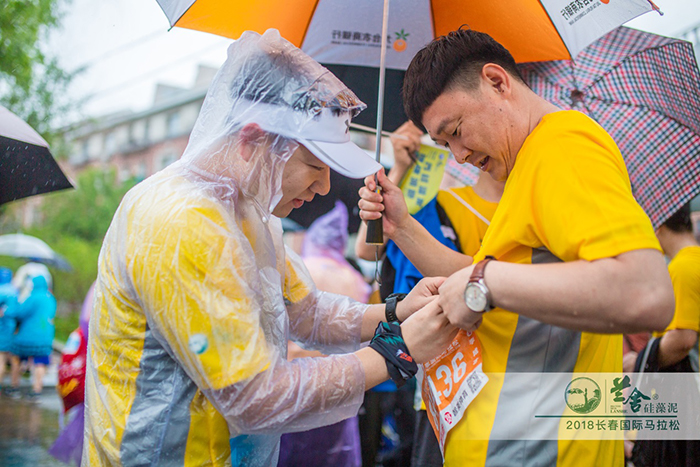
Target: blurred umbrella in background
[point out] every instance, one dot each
(644, 89)
(31, 248)
(27, 167)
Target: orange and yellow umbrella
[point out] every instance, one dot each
(533, 30)
(362, 33)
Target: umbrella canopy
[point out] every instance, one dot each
(644, 90)
(342, 32)
(354, 38)
(26, 165)
(28, 247)
(346, 36)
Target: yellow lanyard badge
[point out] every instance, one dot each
(422, 181)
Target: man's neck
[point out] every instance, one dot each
(677, 241)
(488, 189)
(539, 108)
(534, 108)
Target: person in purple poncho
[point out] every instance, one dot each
(68, 447)
(322, 252)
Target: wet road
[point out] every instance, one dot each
(28, 429)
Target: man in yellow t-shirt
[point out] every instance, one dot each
(469, 210)
(576, 259)
(680, 338)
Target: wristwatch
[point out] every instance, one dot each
(390, 310)
(476, 295)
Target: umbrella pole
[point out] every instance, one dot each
(375, 232)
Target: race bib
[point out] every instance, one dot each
(451, 382)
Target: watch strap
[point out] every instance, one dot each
(478, 272)
(391, 302)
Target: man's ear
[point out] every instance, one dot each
(250, 137)
(497, 77)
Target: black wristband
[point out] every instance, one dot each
(391, 302)
(388, 342)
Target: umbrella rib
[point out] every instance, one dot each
(557, 30)
(627, 58)
(178, 18)
(308, 23)
(643, 107)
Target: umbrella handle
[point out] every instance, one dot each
(375, 232)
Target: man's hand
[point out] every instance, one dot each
(390, 202)
(423, 293)
(452, 301)
(427, 332)
(628, 361)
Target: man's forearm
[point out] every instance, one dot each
(365, 251)
(675, 346)
(626, 294)
(431, 257)
(374, 366)
(372, 317)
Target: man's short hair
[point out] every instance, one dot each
(454, 59)
(680, 221)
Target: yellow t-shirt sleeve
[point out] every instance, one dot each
(295, 289)
(582, 201)
(191, 279)
(685, 276)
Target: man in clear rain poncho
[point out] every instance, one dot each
(196, 295)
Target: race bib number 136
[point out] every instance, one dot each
(451, 382)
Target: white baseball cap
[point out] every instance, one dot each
(288, 93)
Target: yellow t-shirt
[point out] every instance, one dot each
(567, 198)
(684, 269)
(174, 315)
(468, 226)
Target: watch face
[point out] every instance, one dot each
(475, 297)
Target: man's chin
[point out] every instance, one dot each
(282, 211)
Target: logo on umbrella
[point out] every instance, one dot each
(400, 42)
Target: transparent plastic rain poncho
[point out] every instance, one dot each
(197, 295)
(323, 252)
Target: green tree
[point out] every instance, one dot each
(75, 222)
(32, 84)
(86, 212)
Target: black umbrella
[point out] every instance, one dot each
(363, 82)
(27, 167)
(343, 189)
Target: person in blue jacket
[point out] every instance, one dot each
(8, 299)
(35, 333)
